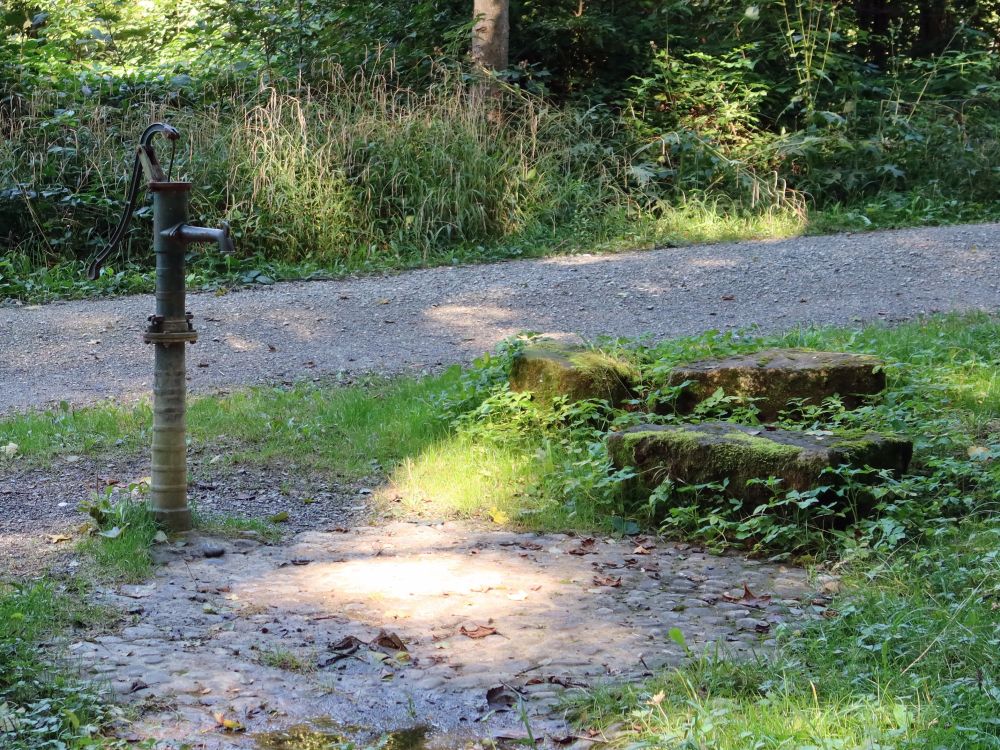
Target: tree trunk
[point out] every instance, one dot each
(936, 28)
(876, 17)
(491, 33)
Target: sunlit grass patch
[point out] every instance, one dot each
(43, 434)
(460, 477)
(697, 219)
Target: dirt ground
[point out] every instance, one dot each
(439, 629)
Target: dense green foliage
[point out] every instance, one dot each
(943, 393)
(349, 136)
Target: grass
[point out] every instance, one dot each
(230, 526)
(907, 662)
(282, 658)
(362, 174)
(345, 430)
(120, 547)
(43, 701)
(503, 458)
(694, 219)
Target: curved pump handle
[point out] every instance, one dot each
(145, 160)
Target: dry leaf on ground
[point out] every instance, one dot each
(480, 631)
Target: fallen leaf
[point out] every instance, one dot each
(498, 516)
(611, 581)
(480, 631)
(978, 452)
(640, 550)
(587, 547)
(56, 538)
(136, 686)
(345, 647)
(387, 643)
(281, 517)
(749, 599)
(301, 561)
(230, 725)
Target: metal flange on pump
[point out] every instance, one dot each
(170, 328)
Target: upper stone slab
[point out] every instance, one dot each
(775, 377)
(549, 369)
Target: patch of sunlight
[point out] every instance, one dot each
(459, 477)
(975, 386)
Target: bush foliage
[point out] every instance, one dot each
(354, 135)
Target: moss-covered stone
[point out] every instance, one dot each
(777, 376)
(549, 369)
(719, 451)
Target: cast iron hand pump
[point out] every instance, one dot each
(170, 328)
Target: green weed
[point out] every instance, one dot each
(281, 658)
(120, 544)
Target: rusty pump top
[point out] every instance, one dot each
(171, 326)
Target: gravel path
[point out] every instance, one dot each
(422, 319)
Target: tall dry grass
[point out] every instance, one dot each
(352, 170)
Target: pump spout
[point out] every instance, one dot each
(189, 234)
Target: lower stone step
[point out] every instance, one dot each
(719, 451)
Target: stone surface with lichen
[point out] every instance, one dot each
(736, 454)
(550, 369)
(776, 378)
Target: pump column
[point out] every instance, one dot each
(169, 330)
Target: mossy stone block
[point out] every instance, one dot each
(718, 451)
(777, 376)
(549, 369)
